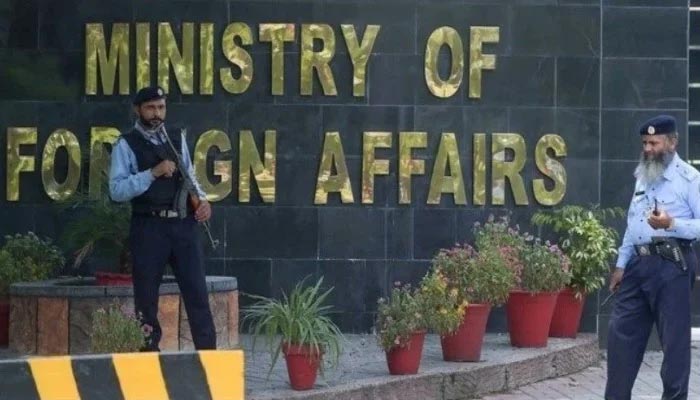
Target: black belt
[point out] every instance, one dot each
(159, 214)
(667, 248)
(655, 248)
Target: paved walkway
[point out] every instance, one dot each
(590, 383)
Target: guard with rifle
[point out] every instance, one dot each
(151, 167)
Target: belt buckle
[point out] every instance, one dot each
(643, 250)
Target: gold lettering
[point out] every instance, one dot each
(250, 160)
(60, 191)
(143, 55)
(407, 165)
(550, 167)
(502, 169)
(117, 57)
(359, 55)
(99, 158)
(333, 157)
(238, 56)
(479, 171)
(371, 166)
(311, 59)
(277, 34)
(222, 169)
(444, 36)
(448, 154)
(477, 60)
(169, 54)
(206, 58)
(17, 163)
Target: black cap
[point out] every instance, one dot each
(149, 94)
(659, 125)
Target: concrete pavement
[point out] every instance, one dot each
(590, 383)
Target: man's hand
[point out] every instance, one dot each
(616, 278)
(164, 168)
(203, 212)
(661, 221)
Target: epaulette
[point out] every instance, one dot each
(688, 172)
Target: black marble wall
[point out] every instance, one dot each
(587, 70)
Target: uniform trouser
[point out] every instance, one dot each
(653, 291)
(155, 242)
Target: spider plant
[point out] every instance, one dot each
(297, 319)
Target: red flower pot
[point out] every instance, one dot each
(302, 365)
(113, 279)
(464, 344)
(4, 322)
(529, 317)
(406, 360)
(567, 314)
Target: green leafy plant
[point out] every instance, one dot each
(114, 331)
(297, 319)
(26, 257)
(586, 240)
(442, 304)
(498, 233)
(480, 277)
(100, 224)
(501, 243)
(399, 316)
(545, 268)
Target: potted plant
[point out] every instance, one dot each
(590, 245)
(540, 269)
(543, 272)
(464, 285)
(24, 258)
(114, 331)
(298, 326)
(100, 224)
(401, 327)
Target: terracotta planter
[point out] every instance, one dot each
(4, 322)
(302, 365)
(406, 360)
(464, 344)
(567, 314)
(529, 317)
(113, 279)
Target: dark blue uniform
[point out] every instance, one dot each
(656, 286)
(159, 234)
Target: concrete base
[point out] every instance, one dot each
(362, 372)
(54, 317)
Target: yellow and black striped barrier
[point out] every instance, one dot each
(206, 375)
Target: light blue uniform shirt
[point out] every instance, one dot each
(125, 180)
(677, 192)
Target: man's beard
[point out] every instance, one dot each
(151, 124)
(652, 167)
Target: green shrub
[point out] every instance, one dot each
(545, 268)
(399, 316)
(586, 240)
(26, 258)
(116, 332)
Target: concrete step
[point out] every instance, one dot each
(362, 372)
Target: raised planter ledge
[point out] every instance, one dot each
(84, 287)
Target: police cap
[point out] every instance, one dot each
(149, 94)
(659, 125)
